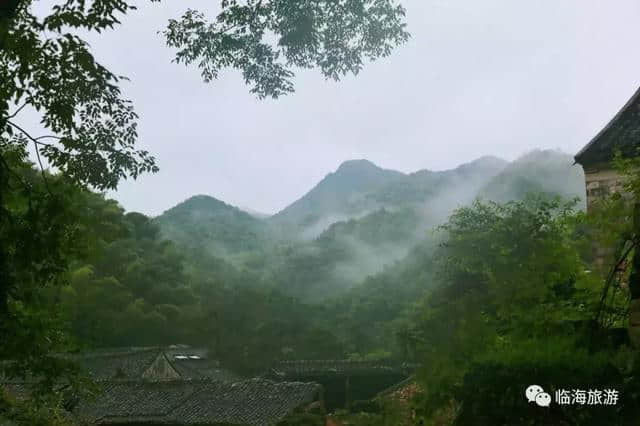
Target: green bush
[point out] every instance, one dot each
(366, 406)
(493, 393)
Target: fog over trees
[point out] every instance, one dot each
(429, 296)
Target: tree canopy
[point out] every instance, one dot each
(88, 131)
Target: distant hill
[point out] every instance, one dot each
(347, 252)
(255, 213)
(206, 223)
(359, 187)
(358, 220)
(340, 195)
(547, 171)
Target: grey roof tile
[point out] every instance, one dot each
(252, 402)
(106, 365)
(622, 132)
(288, 369)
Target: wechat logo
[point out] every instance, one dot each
(535, 393)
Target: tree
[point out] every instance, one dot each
(267, 39)
(91, 130)
(512, 295)
(44, 65)
(627, 167)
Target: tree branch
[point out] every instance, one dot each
(46, 137)
(35, 144)
(17, 111)
(612, 274)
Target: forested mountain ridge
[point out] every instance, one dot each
(340, 195)
(541, 170)
(206, 223)
(369, 288)
(361, 219)
(359, 187)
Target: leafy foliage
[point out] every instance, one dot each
(266, 39)
(513, 306)
(60, 242)
(206, 224)
(93, 128)
(161, 295)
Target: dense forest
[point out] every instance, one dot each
(495, 291)
(483, 276)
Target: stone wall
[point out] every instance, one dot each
(601, 182)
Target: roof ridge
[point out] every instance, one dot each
(113, 353)
(630, 102)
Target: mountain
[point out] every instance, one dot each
(541, 170)
(358, 220)
(437, 193)
(359, 187)
(347, 252)
(340, 195)
(255, 213)
(205, 223)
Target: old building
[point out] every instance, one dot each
(256, 402)
(622, 134)
(178, 386)
(344, 381)
(152, 364)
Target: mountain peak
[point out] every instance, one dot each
(202, 200)
(364, 169)
(489, 159)
(339, 192)
(486, 162)
(203, 204)
(359, 164)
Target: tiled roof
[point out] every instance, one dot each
(284, 369)
(622, 132)
(203, 369)
(251, 402)
(131, 363)
(117, 364)
(137, 399)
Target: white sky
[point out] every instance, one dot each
(491, 77)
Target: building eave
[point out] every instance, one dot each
(609, 125)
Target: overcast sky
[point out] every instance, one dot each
(477, 78)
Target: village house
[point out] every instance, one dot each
(179, 386)
(253, 402)
(345, 382)
(621, 134)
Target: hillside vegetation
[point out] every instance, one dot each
(357, 221)
(480, 297)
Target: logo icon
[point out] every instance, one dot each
(535, 393)
(543, 399)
